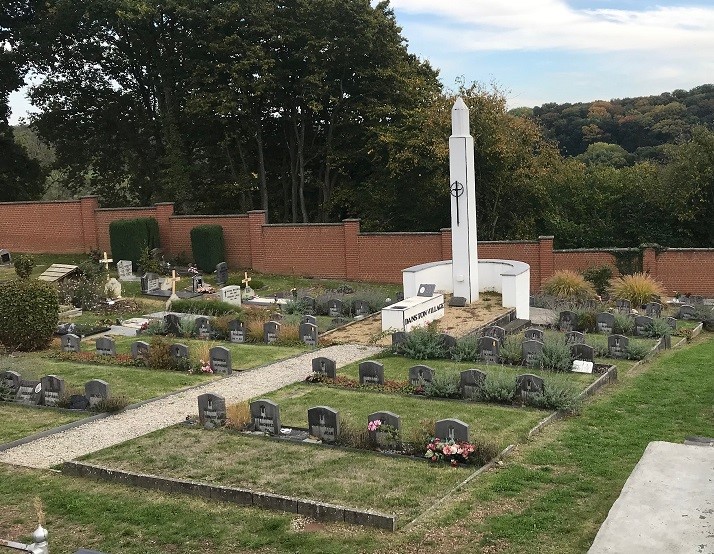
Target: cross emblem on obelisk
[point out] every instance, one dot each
(457, 189)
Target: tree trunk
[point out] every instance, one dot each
(261, 173)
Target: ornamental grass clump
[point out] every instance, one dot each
(638, 288)
(238, 416)
(568, 285)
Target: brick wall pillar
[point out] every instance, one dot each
(649, 261)
(351, 231)
(88, 206)
(446, 243)
(256, 220)
(163, 211)
(546, 261)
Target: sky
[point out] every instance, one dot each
(539, 51)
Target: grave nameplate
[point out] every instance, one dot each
(471, 380)
(325, 366)
(150, 282)
(567, 320)
(617, 346)
(361, 307)
(124, 269)
(384, 438)
(29, 392)
(687, 312)
(623, 306)
(52, 390)
(172, 324)
(236, 329)
(605, 322)
(488, 350)
(582, 352)
(271, 331)
(231, 294)
(642, 322)
(334, 307)
(179, 351)
(653, 309)
(311, 319)
(324, 423)
(212, 410)
(203, 327)
(452, 429)
(95, 391)
(371, 372)
(308, 334)
(105, 346)
(140, 350)
(533, 334)
(416, 311)
(528, 384)
(531, 351)
(220, 360)
(222, 273)
(574, 337)
(265, 416)
(11, 381)
(70, 343)
(495, 332)
(457, 302)
(426, 290)
(420, 374)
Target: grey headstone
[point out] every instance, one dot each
(52, 390)
(172, 324)
(398, 338)
(197, 283)
(265, 416)
(531, 350)
(308, 334)
(149, 282)
(29, 392)
(582, 352)
(653, 309)
(371, 373)
(617, 345)
(11, 380)
(125, 271)
(236, 331)
(383, 438)
(642, 322)
(567, 320)
(271, 331)
(420, 374)
(5, 256)
(70, 343)
(334, 307)
(452, 429)
(212, 410)
(672, 322)
(311, 319)
(140, 350)
(457, 302)
(178, 350)
(471, 380)
(203, 327)
(220, 360)
(222, 273)
(105, 346)
(95, 391)
(528, 384)
(310, 302)
(361, 307)
(426, 289)
(687, 312)
(488, 350)
(496, 332)
(324, 423)
(325, 366)
(574, 337)
(533, 334)
(623, 306)
(605, 322)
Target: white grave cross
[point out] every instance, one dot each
(105, 260)
(246, 280)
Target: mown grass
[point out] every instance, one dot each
(21, 421)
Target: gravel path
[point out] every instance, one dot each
(157, 414)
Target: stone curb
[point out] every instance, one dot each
(320, 511)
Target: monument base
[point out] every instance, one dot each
(412, 312)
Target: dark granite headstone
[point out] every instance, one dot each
(265, 416)
(95, 391)
(381, 437)
(420, 374)
(70, 343)
(653, 309)
(533, 334)
(172, 324)
(203, 327)
(623, 306)
(617, 346)
(528, 384)
(642, 322)
(531, 351)
(271, 331)
(140, 350)
(29, 392)
(308, 334)
(488, 350)
(582, 352)
(11, 380)
(5, 256)
(361, 307)
(605, 322)
(52, 390)
(567, 320)
(310, 303)
(149, 283)
(574, 337)
(196, 282)
(178, 350)
(236, 331)
(672, 322)
(334, 307)
(220, 360)
(311, 319)
(496, 332)
(448, 341)
(398, 338)
(325, 366)
(400, 296)
(324, 423)
(687, 312)
(371, 373)
(452, 429)
(212, 410)
(221, 273)
(471, 380)
(105, 346)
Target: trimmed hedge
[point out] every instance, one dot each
(128, 238)
(28, 314)
(207, 246)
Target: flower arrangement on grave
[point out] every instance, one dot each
(206, 289)
(389, 434)
(193, 270)
(204, 367)
(450, 451)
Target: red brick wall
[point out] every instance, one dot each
(37, 227)
(578, 260)
(382, 256)
(686, 270)
(105, 216)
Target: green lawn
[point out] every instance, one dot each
(21, 421)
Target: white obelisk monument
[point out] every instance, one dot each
(463, 204)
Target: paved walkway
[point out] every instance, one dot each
(90, 437)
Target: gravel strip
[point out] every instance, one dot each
(72, 443)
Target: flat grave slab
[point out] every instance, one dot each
(265, 301)
(158, 293)
(57, 272)
(161, 315)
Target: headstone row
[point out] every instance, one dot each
(50, 389)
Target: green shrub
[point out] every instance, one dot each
(128, 238)
(205, 307)
(24, 264)
(207, 246)
(111, 405)
(586, 321)
(28, 314)
(85, 291)
(555, 355)
(658, 328)
(298, 307)
(623, 325)
(148, 263)
(466, 349)
(599, 277)
(423, 343)
(497, 387)
(557, 395)
(160, 356)
(443, 385)
(511, 351)
(599, 344)
(636, 350)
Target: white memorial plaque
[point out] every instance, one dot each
(413, 312)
